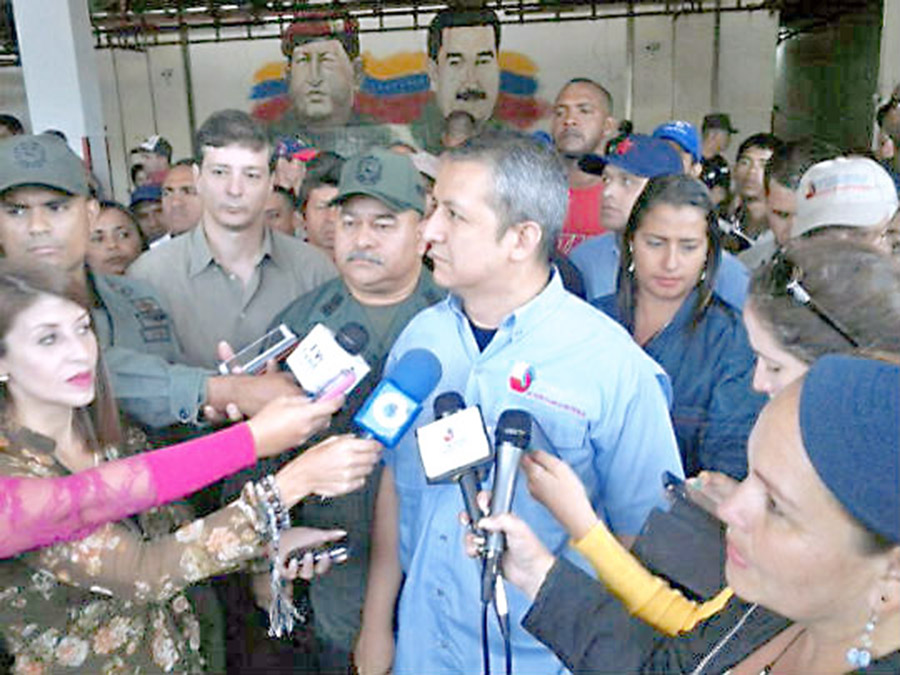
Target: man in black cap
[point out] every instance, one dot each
(716, 130)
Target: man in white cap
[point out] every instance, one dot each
(852, 197)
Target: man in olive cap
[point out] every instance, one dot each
(382, 285)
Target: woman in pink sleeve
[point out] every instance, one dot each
(112, 600)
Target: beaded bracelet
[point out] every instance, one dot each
(282, 612)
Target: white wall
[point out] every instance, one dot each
(145, 93)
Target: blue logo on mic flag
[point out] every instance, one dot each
(387, 414)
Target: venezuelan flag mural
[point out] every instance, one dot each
(395, 88)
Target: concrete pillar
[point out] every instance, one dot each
(60, 70)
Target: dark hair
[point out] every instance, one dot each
(20, 287)
(603, 91)
(673, 190)
(323, 169)
(231, 127)
(124, 210)
(529, 181)
(458, 18)
(854, 284)
(286, 194)
(187, 161)
(791, 160)
(763, 141)
(135, 169)
(890, 104)
(12, 124)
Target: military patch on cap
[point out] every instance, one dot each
(29, 155)
(368, 172)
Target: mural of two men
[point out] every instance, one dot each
(325, 72)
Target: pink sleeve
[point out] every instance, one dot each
(35, 512)
(181, 469)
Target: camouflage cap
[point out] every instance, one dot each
(42, 160)
(387, 176)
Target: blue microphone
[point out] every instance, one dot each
(397, 400)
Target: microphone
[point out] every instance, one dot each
(512, 438)
(397, 400)
(328, 364)
(453, 445)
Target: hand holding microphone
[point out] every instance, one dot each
(454, 446)
(513, 437)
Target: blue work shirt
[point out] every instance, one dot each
(598, 261)
(603, 404)
(711, 369)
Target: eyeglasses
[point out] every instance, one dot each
(787, 279)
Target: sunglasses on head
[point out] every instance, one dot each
(787, 278)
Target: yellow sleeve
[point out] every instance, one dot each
(646, 596)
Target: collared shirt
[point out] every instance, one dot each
(209, 304)
(602, 404)
(598, 261)
(711, 368)
(142, 353)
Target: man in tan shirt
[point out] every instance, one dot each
(228, 278)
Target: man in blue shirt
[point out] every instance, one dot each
(508, 336)
(634, 161)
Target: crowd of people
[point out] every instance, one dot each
(708, 358)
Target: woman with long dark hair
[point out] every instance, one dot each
(665, 299)
(112, 600)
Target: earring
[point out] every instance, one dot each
(861, 657)
(631, 267)
(703, 276)
(4, 377)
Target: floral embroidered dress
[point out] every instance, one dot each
(112, 602)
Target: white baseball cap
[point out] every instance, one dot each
(849, 191)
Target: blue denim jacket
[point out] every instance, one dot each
(710, 366)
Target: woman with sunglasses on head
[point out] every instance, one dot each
(112, 600)
(813, 549)
(821, 296)
(665, 298)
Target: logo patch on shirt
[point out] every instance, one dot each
(521, 377)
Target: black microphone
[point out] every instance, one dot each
(447, 404)
(512, 438)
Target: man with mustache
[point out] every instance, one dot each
(382, 284)
(464, 70)
(226, 278)
(582, 120)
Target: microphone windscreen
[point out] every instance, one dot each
(448, 403)
(352, 338)
(514, 426)
(416, 374)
